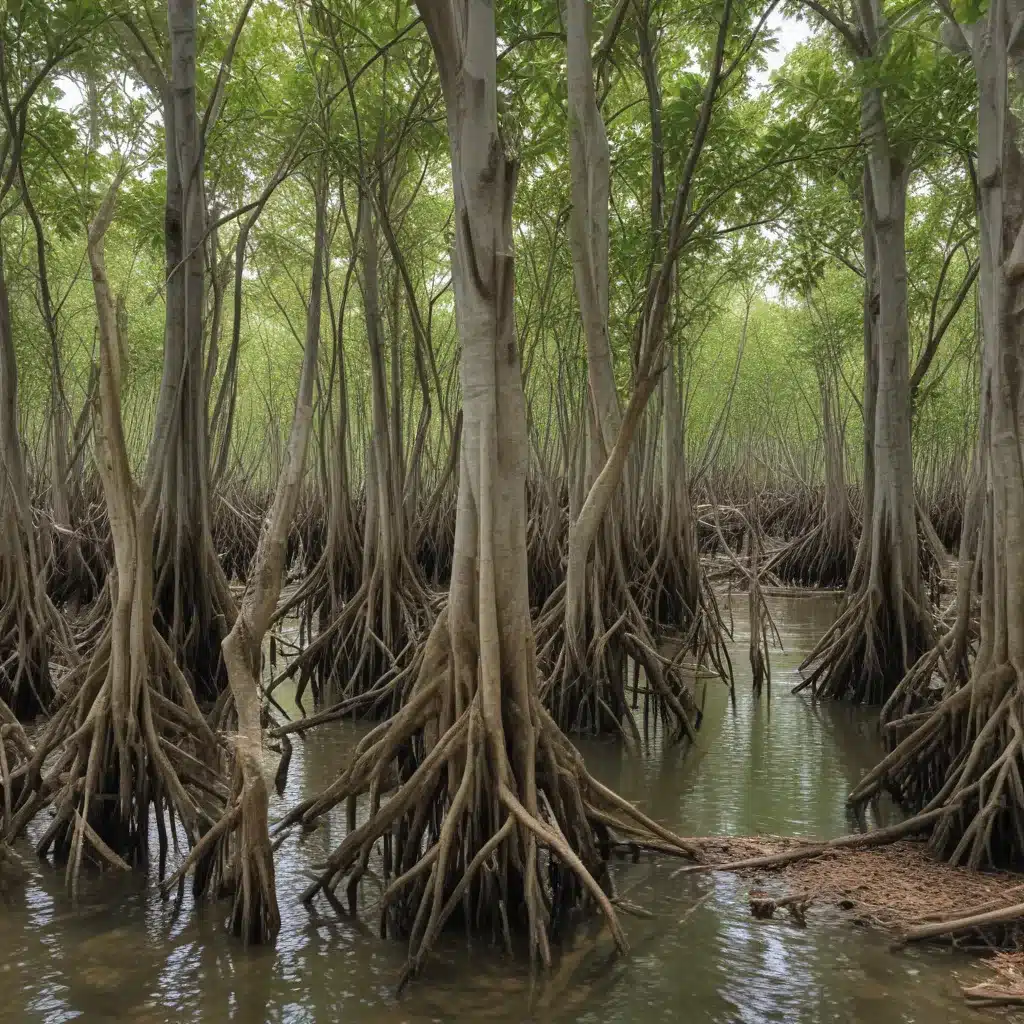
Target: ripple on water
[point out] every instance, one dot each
(783, 766)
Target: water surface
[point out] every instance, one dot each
(782, 766)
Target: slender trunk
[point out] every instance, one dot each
(886, 625)
(255, 915)
(25, 619)
(965, 757)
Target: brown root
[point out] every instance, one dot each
(128, 742)
(964, 760)
(15, 752)
(193, 607)
(867, 651)
(235, 858)
(822, 557)
(587, 685)
(31, 633)
(763, 906)
(367, 645)
(458, 833)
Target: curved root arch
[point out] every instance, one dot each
(591, 659)
(461, 834)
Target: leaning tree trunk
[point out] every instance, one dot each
(128, 742)
(485, 779)
(886, 623)
(236, 854)
(966, 757)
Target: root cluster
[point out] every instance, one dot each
(461, 834)
(126, 746)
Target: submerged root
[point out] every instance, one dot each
(127, 742)
(867, 651)
(461, 835)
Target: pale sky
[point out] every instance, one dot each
(789, 33)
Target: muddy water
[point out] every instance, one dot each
(778, 767)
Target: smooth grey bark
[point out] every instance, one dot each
(490, 779)
(964, 758)
(886, 625)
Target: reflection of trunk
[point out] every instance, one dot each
(26, 616)
(967, 755)
(885, 626)
(488, 780)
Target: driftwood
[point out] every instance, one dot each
(763, 906)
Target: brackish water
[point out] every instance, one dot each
(782, 767)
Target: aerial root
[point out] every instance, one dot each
(868, 649)
(586, 684)
(822, 557)
(366, 645)
(16, 751)
(458, 835)
(963, 762)
(32, 633)
(128, 743)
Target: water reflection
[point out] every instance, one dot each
(783, 767)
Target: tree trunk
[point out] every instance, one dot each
(366, 649)
(967, 755)
(192, 600)
(886, 625)
(238, 847)
(824, 556)
(129, 740)
(27, 619)
(485, 778)
(589, 631)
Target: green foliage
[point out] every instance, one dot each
(777, 192)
